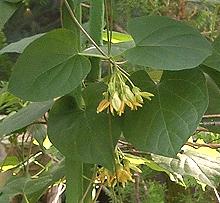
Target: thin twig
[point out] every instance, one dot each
(137, 187)
(212, 116)
(198, 145)
(98, 193)
(217, 195)
(210, 123)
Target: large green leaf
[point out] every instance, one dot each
(6, 11)
(24, 117)
(49, 67)
(19, 46)
(164, 124)
(84, 134)
(163, 43)
(213, 61)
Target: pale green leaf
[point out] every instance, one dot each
(203, 168)
(117, 37)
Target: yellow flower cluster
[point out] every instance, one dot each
(122, 174)
(118, 95)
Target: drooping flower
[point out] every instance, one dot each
(119, 95)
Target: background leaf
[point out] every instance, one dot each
(213, 85)
(19, 46)
(163, 43)
(33, 188)
(51, 67)
(164, 124)
(24, 117)
(6, 11)
(213, 61)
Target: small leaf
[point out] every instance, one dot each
(117, 37)
(49, 67)
(24, 117)
(163, 43)
(19, 46)
(164, 124)
(85, 134)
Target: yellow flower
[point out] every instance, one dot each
(103, 105)
(122, 175)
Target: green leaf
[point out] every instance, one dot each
(85, 134)
(164, 124)
(49, 67)
(19, 46)
(24, 117)
(213, 61)
(6, 11)
(163, 43)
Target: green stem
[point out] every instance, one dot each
(67, 22)
(89, 170)
(72, 15)
(74, 173)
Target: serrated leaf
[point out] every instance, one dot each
(163, 43)
(164, 124)
(84, 134)
(19, 46)
(6, 11)
(24, 117)
(213, 61)
(49, 67)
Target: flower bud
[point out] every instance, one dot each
(116, 102)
